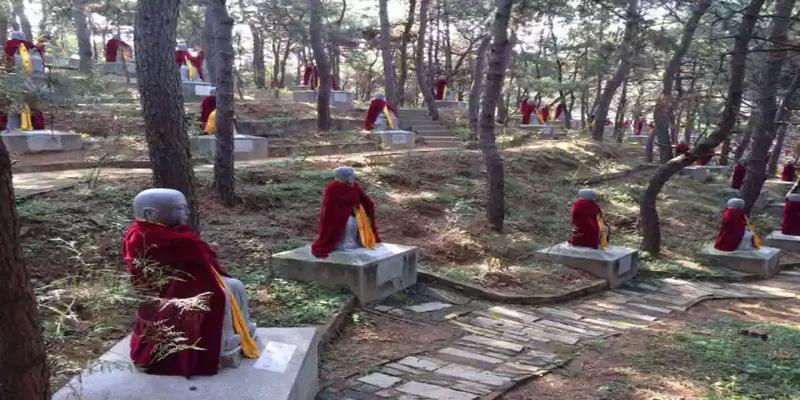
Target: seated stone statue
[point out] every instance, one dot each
(172, 267)
(381, 115)
(735, 232)
(589, 228)
(23, 55)
(526, 109)
(116, 49)
(347, 216)
(440, 91)
(29, 117)
(208, 113)
(739, 173)
(681, 148)
(790, 220)
(789, 172)
(188, 71)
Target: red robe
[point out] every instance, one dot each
(112, 48)
(182, 254)
(37, 120)
(626, 123)
(334, 83)
(438, 93)
(181, 56)
(637, 129)
(731, 231)
(788, 174)
(375, 109)
(681, 148)
(560, 109)
(307, 72)
(314, 78)
(338, 203)
(704, 160)
(526, 108)
(739, 173)
(208, 105)
(586, 229)
(12, 46)
(790, 220)
(197, 61)
(545, 112)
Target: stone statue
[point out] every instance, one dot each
(347, 216)
(167, 262)
(790, 219)
(736, 233)
(13, 56)
(379, 113)
(589, 228)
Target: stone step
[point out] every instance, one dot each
(433, 133)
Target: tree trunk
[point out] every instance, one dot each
(401, 85)
(664, 105)
(259, 69)
(648, 214)
(162, 99)
(782, 121)
(222, 33)
(4, 17)
(764, 132)
(18, 9)
(422, 70)
(477, 88)
(286, 51)
(23, 362)
(386, 50)
(632, 19)
(82, 32)
(618, 119)
(495, 207)
(747, 135)
(321, 59)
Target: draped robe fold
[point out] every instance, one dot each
(739, 173)
(339, 201)
(789, 172)
(731, 230)
(586, 226)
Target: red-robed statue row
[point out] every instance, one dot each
(527, 109)
(311, 78)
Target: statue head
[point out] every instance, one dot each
(18, 35)
(161, 206)
(345, 174)
(182, 47)
(117, 36)
(587, 194)
(736, 203)
(794, 197)
(380, 96)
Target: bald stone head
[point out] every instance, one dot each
(380, 96)
(587, 194)
(161, 206)
(18, 35)
(182, 47)
(736, 203)
(345, 174)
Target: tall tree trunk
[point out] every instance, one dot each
(764, 132)
(4, 17)
(321, 59)
(84, 38)
(386, 50)
(498, 63)
(782, 120)
(159, 83)
(18, 8)
(286, 50)
(259, 69)
(632, 19)
(23, 362)
(422, 70)
(648, 214)
(747, 136)
(620, 116)
(477, 88)
(664, 105)
(401, 85)
(222, 58)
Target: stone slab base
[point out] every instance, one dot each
(396, 139)
(370, 274)
(616, 265)
(24, 142)
(341, 100)
(696, 173)
(762, 262)
(245, 147)
(119, 69)
(195, 91)
(304, 96)
(298, 88)
(290, 374)
(778, 240)
(450, 104)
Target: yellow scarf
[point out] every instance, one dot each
(211, 124)
(539, 118)
(249, 347)
(757, 243)
(444, 93)
(388, 115)
(365, 229)
(27, 64)
(25, 119)
(603, 233)
(192, 69)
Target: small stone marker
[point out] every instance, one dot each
(380, 380)
(396, 139)
(245, 147)
(427, 307)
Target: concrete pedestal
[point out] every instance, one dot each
(762, 262)
(36, 141)
(245, 147)
(118, 68)
(396, 139)
(696, 172)
(544, 130)
(196, 90)
(616, 265)
(304, 96)
(286, 370)
(298, 88)
(788, 243)
(449, 104)
(370, 274)
(341, 100)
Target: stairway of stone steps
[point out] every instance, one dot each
(434, 133)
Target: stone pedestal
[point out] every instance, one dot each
(305, 96)
(298, 88)
(370, 274)
(762, 262)
(779, 185)
(696, 172)
(778, 240)
(449, 104)
(245, 147)
(396, 139)
(36, 141)
(341, 100)
(286, 370)
(544, 130)
(196, 90)
(117, 68)
(616, 265)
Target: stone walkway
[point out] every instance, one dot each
(503, 345)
